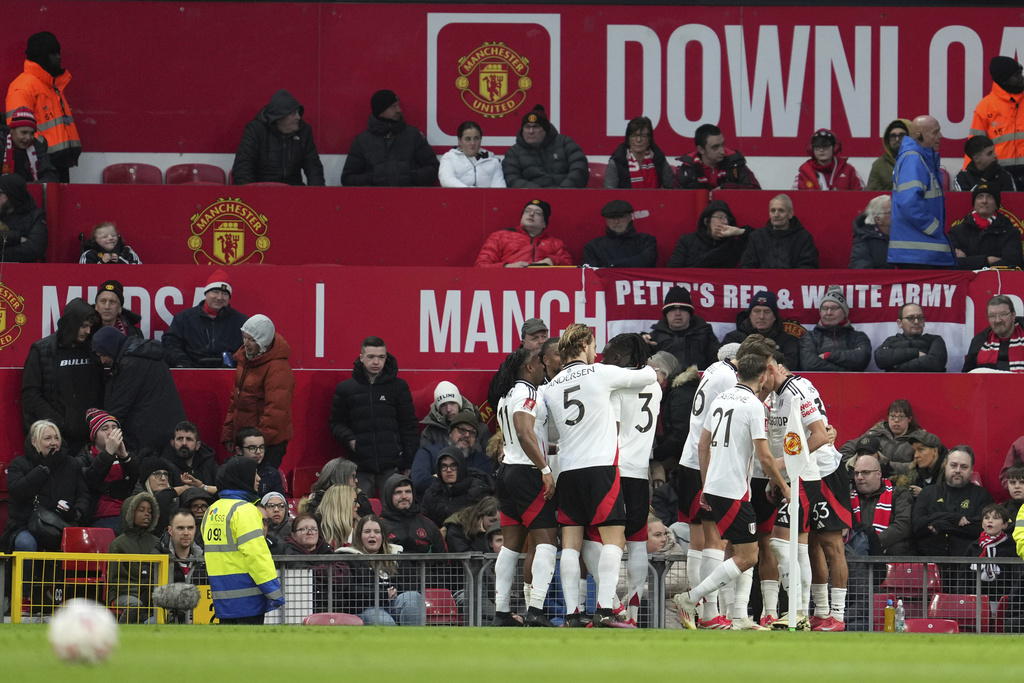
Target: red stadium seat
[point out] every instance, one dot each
(932, 626)
(196, 173)
(332, 619)
(963, 609)
(908, 580)
(597, 171)
(132, 174)
(1002, 608)
(293, 507)
(303, 479)
(376, 505)
(85, 540)
(976, 479)
(441, 607)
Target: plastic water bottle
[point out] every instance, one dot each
(890, 618)
(901, 617)
(229, 360)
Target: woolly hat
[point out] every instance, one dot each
(766, 298)
(381, 100)
(260, 328)
(219, 280)
(112, 286)
(96, 419)
(446, 392)
(1000, 68)
(108, 341)
(533, 326)
(41, 45)
(985, 187)
(539, 116)
(544, 206)
(977, 143)
(835, 295)
(677, 296)
(23, 118)
(728, 351)
(16, 189)
(153, 464)
(617, 207)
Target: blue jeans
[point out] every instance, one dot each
(407, 609)
(25, 542)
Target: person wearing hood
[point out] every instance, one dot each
(277, 146)
(783, 242)
(243, 579)
(718, 242)
(408, 527)
(109, 303)
(26, 153)
(621, 246)
(638, 163)
(263, 391)
(871, 234)
(390, 152)
(834, 345)
(106, 246)
(527, 245)
(462, 435)
(983, 167)
(110, 472)
(40, 88)
(449, 402)
(682, 333)
(455, 487)
(999, 115)
(140, 391)
(826, 170)
(134, 580)
(372, 415)
(880, 177)
(542, 157)
(469, 165)
(985, 238)
(23, 234)
(205, 335)
(762, 317)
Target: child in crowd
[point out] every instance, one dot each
(994, 542)
(106, 246)
(1015, 487)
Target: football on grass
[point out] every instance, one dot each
(83, 631)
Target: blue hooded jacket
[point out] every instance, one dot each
(918, 234)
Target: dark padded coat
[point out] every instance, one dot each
(790, 248)
(696, 345)
(24, 219)
(1000, 239)
(700, 250)
(265, 154)
(409, 528)
(442, 500)
(849, 349)
(390, 154)
(787, 343)
(195, 340)
(870, 245)
(631, 249)
(557, 162)
(142, 396)
(941, 507)
(899, 353)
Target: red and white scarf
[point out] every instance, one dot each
(883, 508)
(8, 166)
(989, 572)
(981, 221)
(642, 174)
(988, 354)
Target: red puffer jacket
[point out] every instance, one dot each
(842, 177)
(515, 244)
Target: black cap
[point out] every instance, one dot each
(617, 207)
(868, 445)
(543, 205)
(112, 286)
(1000, 68)
(985, 187)
(927, 438)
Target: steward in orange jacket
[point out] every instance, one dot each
(1000, 116)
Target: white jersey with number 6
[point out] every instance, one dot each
(521, 398)
(717, 378)
(579, 406)
(735, 419)
(638, 417)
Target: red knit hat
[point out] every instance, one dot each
(23, 118)
(219, 280)
(96, 419)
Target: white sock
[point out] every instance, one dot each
(839, 603)
(804, 557)
(636, 574)
(504, 573)
(693, 561)
(711, 560)
(780, 549)
(741, 600)
(584, 593)
(526, 592)
(608, 569)
(592, 558)
(770, 597)
(543, 570)
(726, 596)
(725, 572)
(819, 593)
(569, 571)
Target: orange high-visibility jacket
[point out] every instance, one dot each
(1000, 116)
(44, 95)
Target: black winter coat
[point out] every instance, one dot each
(617, 174)
(45, 172)
(696, 345)
(790, 248)
(195, 340)
(95, 471)
(999, 239)
(24, 220)
(455, 538)
(267, 155)
(676, 404)
(390, 154)
(967, 179)
(870, 245)
(941, 508)
(631, 249)
(700, 250)
(557, 162)
(787, 343)
(409, 528)
(441, 500)
(1003, 360)
(379, 417)
(203, 468)
(849, 350)
(142, 396)
(899, 353)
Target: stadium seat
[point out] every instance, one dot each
(132, 174)
(907, 580)
(376, 505)
(85, 540)
(932, 626)
(332, 619)
(268, 184)
(302, 480)
(441, 608)
(293, 507)
(196, 173)
(597, 171)
(963, 609)
(285, 483)
(976, 479)
(1002, 613)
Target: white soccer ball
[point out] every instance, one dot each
(83, 631)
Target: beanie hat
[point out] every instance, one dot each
(260, 328)
(96, 419)
(112, 286)
(219, 280)
(533, 326)
(271, 496)
(446, 392)
(467, 417)
(154, 464)
(835, 295)
(108, 341)
(539, 116)
(381, 100)
(544, 206)
(766, 298)
(985, 188)
(41, 45)
(23, 118)
(977, 143)
(617, 207)
(1000, 68)
(16, 189)
(677, 296)
(728, 351)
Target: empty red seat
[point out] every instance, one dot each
(302, 480)
(196, 173)
(909, 581)
(85, 540)
(963, 609)
(332, 619)
(376, 505)
(132, 174)
(932, 626)
(597, 171)
(441, 608)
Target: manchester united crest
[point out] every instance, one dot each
(12, 315)
(791, 444)
(228, 232)
(493, 80)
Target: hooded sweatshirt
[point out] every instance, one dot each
(408, 528)
(442, 500)
(700, 250)
(880, 178)
(135, 578)
(265, 154)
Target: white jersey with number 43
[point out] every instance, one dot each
(735, 419)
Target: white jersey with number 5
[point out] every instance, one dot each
(521, 398)
(717, 378)
(735, 419)
(812, 409)
(579, 406)
(638, 417)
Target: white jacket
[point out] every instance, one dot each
(458, 170)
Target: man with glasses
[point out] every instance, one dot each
(249, 443)
(881, 510)
(542, 157)
(526, 245)
(455, 487)
(1000, 346)
(834, 345)
(463, 436)
(911, 350)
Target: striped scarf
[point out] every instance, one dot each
(988, 354)
(30, 153)
(642, 174)
(989, 572)
(883, 508)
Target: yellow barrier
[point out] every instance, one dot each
(123, 583)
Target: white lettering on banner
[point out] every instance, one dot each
(162, 296)
(855, 92)
(320, 320)
(710, 74)
(1013, 42)
(481, 311)
(514, 316)
(136, 299)
(615, 82)
(447, 327)
(748, 106)
(939, 104)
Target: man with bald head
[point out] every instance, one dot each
(917, 234)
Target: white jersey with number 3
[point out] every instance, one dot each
(579, 406)
(717, 378)
(638, 417)
(735, 419)
(521, 398)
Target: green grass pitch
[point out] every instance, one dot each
(376, 654)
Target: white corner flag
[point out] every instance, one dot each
(799, 465)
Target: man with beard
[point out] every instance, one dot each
(947, 516)
(1000, 346)
(194, 459)
(408, 528)
(463, 436)
(389, 153)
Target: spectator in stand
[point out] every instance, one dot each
(996, 580)
(783, 242)
(998, 115)
(372, 416)
(338, 515)
(186, 554)
(307, 538)
(638, 163)
(449, 402)
(250, 443)
(197, 501)
(466, 530)
(279, 522)
(889, 439)
(1013, 480)
(533, 334)
(467, 164)
(26, 153)
(542, 157)
(374, 594)
(390, 152)
(23, 235)
(193, 460)
(62, 377)
(926, 470)
(155, 477)
(881, 510)
(264, 386)
(40, 88)
(912, 350)
(985, 238)
(463, 437)
(880, 178)
(826, 170)
(871, 235)
(677, 394)
(200, 336)
(1000, 346)
(762, 317)
(1014, 456)
(983, 167)
(682, 333)
(408, 528)
(337, 472)
(525, 246)
(105, 245)
(110, 305)
(140, 391)
(718, 242)
(621, 246)
(134, 580)
(277, 146)
(713, 165)
(917, 237)
(947, 515)
(834, 345)
(110, 472)
(456, 486)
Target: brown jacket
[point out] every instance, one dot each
(262, 396)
